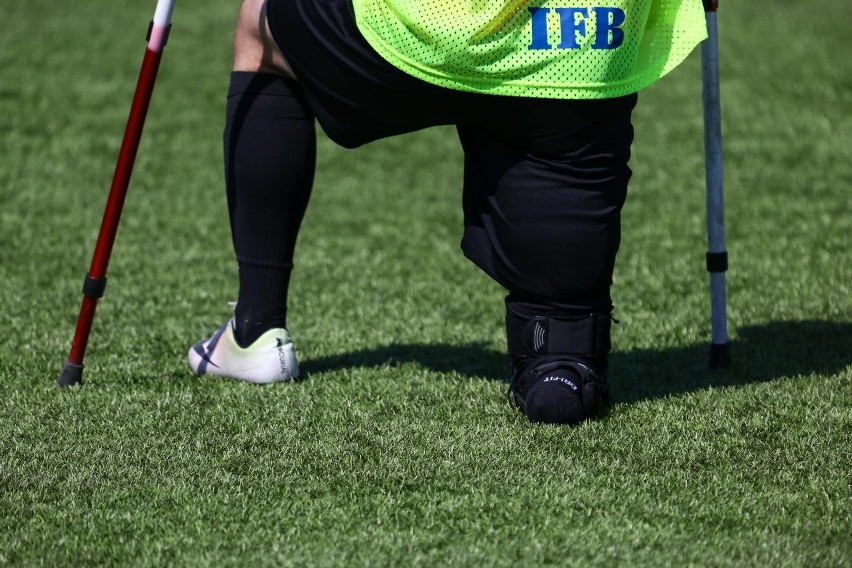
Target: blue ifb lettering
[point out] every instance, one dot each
(572, 26)
(608, 20)
(572, 23)
(539, 28)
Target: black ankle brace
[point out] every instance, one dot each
(586, 336)
(558, 347)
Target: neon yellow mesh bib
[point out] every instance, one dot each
(572, 49)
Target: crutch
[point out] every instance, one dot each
(95, 281)
(717, 256)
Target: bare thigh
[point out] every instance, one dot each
(255, 49)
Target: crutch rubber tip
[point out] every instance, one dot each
(71, 375)
(720, 355)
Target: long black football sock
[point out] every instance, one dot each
(270, 157)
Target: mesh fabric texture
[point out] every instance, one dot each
(567, 49)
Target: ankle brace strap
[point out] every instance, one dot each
(540, 336)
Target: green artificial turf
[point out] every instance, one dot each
(397, 447)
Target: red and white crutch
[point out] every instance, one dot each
(717, 256)
(95, 281)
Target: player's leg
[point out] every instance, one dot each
(269, 151)
(255, 50)
(543, 195)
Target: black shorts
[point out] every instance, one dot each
(546, 166)
(358, 97)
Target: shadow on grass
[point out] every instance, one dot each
(470, 360)
(761, 353)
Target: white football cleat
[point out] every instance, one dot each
(270, 359)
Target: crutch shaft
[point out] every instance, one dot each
(95, 281)
(717, 256)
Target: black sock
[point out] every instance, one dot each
(270, 155)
